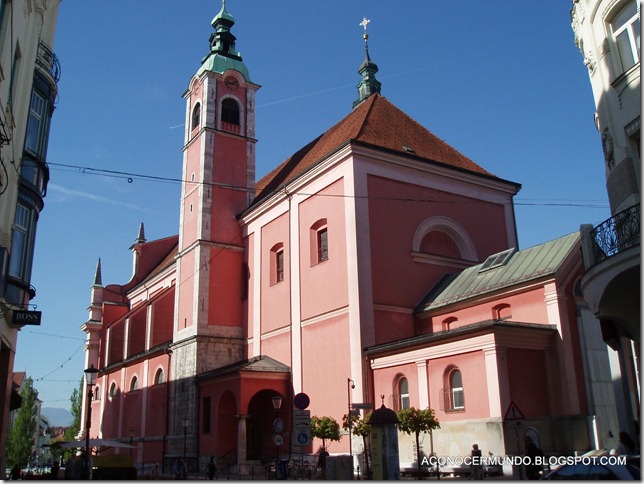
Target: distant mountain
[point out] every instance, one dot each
(58, 417)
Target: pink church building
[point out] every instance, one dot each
(377, 262)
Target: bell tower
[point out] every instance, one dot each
(218, 183)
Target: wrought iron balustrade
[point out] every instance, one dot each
(617, 234)
(48, 62)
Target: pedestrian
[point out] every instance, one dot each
(180, 469)
(532, 469)
(79, 469)
(15, 473)
(69, 468)
(322, 462)
(54, 470)
(476, 463)
(212, 468)
(155, 471)
(626, 445)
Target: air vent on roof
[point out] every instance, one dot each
(408, 149)
(497, 260)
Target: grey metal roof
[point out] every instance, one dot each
(468, 330)
(525, 265)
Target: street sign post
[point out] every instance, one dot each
(302, 427)
(362, 406)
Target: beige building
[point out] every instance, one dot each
(607, 33)
(29, 74)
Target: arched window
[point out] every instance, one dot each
(319, 242)
(456, 390)
(438, 242)
(134, 384)
(277, 263)
(159, 377)
(114, 390)
(403, 392)
(453, 392)
(439, 239)
(230, 111)
(196, 116)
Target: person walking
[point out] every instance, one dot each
(626, 445)
(212, 468)
(180, 469)
(532, 469)
(476, 463)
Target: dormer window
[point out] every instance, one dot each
(497, 260)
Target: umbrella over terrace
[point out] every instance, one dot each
(94, 443)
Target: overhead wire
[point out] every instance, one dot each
(130, 176)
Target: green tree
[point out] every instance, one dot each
(76, 401)
(414, 421)
(22, 437)
(325, 428)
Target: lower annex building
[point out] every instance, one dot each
(375, 261)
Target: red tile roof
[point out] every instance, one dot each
(375, 122)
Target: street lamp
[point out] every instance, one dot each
(277, 403)
(350, 386)
(131, 432)
(90, 378)
(184, 422)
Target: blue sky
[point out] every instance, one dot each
(503, 84)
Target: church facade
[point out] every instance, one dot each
(377, 264)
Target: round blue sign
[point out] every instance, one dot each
(301, 401)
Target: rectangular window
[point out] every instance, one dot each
(458, 400)
(21, 245)
(323, 245)
(626, 34)
(206, 416)
(2, 2)
(279, 266)
(15, 71)
(34, 139)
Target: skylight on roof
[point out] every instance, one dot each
(496, 260)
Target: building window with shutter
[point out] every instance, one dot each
(277, 264)
(323, 245)
(319, 235)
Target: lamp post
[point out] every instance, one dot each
(90, 378)
(131, 432)
(350, 386)
(184, 422)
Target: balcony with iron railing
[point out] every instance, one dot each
(47, 64)
(611, 281)
(617, 234)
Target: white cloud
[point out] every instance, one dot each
(66, 194)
